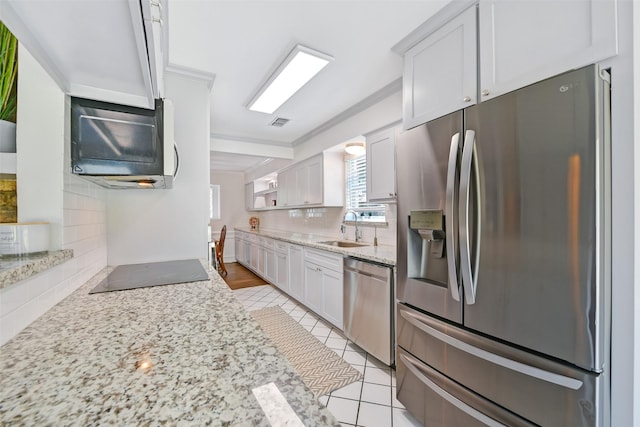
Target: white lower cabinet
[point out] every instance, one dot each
(323, 279)
(333, 296)
(246, 248)
(255, 256)
(296, 272)
(239, 252)
(282, 266)
(270, 265)
(312, 276)
(261, 257)
(313, 286)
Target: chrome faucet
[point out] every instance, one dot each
(358, 231)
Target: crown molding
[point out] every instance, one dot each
(249, 139)
(444, 15)
(192, 73)
(226, 145)
(393, 87)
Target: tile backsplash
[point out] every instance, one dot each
(84, 227)
(327, 222)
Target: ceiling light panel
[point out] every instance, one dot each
(300, 66)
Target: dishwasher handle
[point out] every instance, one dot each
(366, 273)
(368, 269)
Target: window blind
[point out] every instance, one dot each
(356, 187)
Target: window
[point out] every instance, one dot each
(214, 201)
(356, 178)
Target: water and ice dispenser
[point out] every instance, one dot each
(426, 255)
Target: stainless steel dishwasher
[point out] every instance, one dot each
(368, 307)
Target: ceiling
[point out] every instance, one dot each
(83, 58)
(242, 42)
(235, 162)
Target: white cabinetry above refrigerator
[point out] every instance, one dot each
(515, 44)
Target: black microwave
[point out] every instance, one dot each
(119, 146)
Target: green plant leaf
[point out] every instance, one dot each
(8, 73)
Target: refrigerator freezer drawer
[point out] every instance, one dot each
(541, 390)
(437, 401)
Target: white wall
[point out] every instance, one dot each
(379, 115)
(625, 316)
(40, 131)
(232, 211)
(75, 205)
(635, 305)
(161, 225)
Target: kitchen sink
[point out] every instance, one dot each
(344, 244)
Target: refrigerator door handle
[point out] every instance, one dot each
(469, 163)
(469, 410)
(451, 218)
(532, 371)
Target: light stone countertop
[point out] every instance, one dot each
(84, 362)
(384, 254)
(13, 270)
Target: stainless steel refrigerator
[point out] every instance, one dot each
(504, 259)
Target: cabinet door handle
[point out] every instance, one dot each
(391, 194)
(485, 93)
(467, 99)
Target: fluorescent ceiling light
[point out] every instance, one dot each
(295, 71)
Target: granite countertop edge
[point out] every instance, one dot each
(187, 353)
(384, 254)
(14, 270)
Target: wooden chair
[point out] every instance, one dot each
(219, 245)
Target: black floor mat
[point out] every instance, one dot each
(136, 276)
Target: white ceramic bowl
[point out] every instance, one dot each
(24, 238)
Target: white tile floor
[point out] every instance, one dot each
(368, 402)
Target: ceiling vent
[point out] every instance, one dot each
(279, 122)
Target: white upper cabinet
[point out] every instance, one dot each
(514, 44)
(248, 196)
(440, 72)
(314, 181)
(301, 183)
(522, 42)
(284, 188)
(381, 165)
(317, 181)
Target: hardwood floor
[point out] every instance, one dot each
(239, 277)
